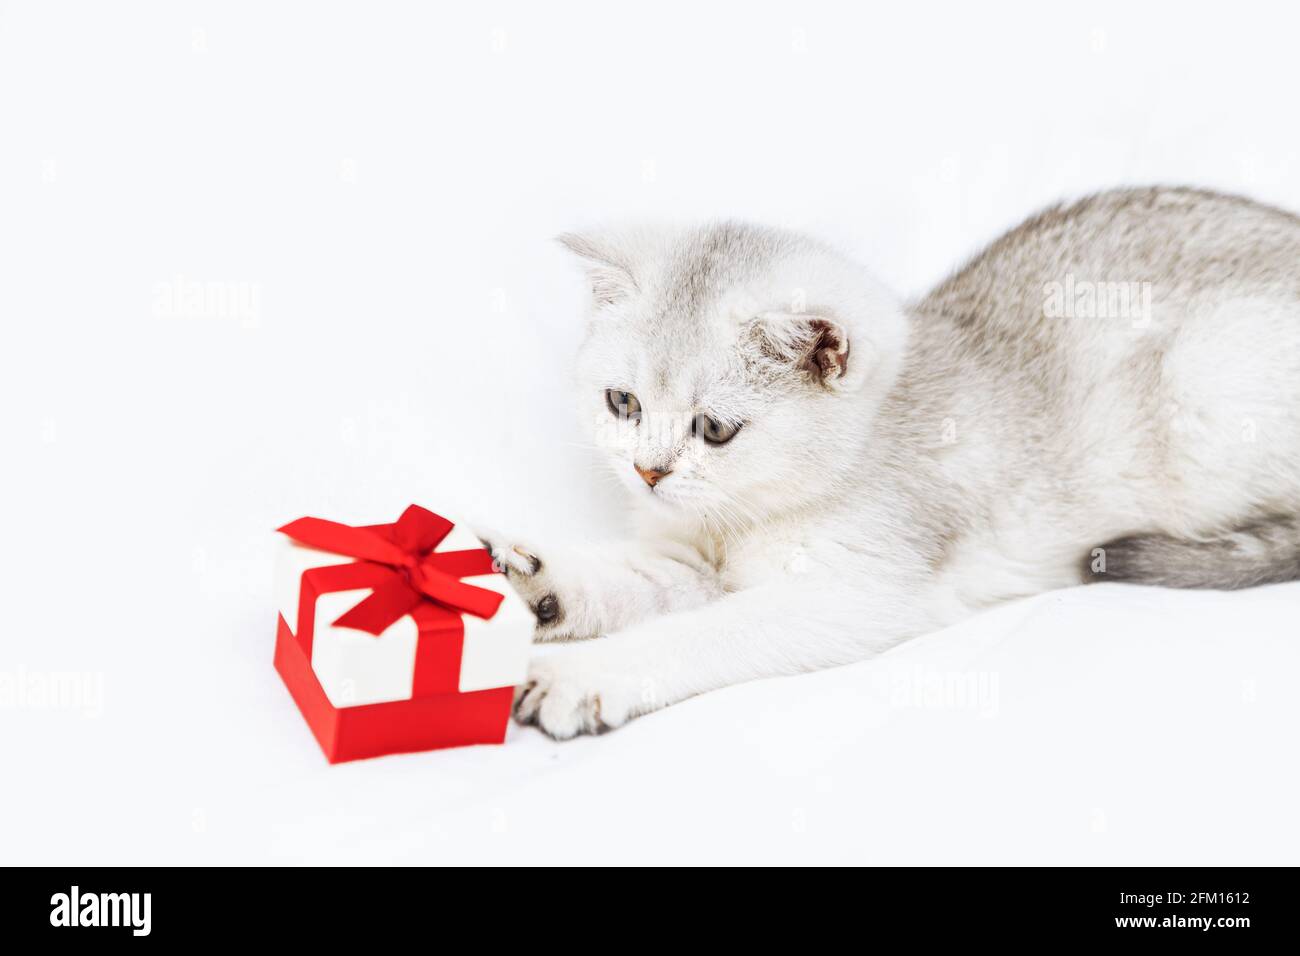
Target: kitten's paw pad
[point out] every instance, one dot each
(564, 697)
(548, 609)
(529, 576)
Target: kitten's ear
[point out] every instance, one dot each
(818, 346)
(607, 269)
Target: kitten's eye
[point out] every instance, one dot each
(622, 404)
(713, 431)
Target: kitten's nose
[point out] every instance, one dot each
(650, 476)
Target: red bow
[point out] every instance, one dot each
(417, 573)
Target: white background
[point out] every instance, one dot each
(384, 180)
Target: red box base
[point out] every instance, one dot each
(399, 726)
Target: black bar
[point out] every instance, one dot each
(321, 906)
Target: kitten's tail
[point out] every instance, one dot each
(1263, 552)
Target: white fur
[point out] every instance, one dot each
(960, 459)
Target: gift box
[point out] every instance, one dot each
(397, 637)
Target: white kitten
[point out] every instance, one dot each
(1112, 390)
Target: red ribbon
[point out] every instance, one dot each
(415, 573)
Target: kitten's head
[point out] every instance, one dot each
(730, 372)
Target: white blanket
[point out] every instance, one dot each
(1095, 725)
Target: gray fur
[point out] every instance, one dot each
(1266, 552)
(984, 329)
(1113, 386)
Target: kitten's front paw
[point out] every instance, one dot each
(534, 581)
(572, 693)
